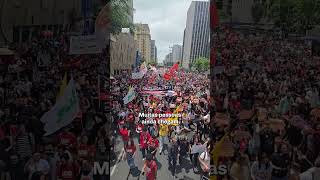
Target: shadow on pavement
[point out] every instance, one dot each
(135, 172)
(184, 164)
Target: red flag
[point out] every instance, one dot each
(167, 76)
(214, 17)
(172, 72)
(174, 68)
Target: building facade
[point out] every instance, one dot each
(154, 51)
(168, 59)
(143, 38)
(197, 33)
(176, 53)
(123, 52)
(22, 20)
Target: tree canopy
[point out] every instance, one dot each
(201, 64)
(119, 16)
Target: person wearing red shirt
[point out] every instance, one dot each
(130, 149)
(153, 144)
(139, 127)
(67, 139)
(125, 134)
(85, 151)
(144, 138)
(150, 168)
(67, 170)
(131, 120)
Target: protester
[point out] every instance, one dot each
(30, 83)
(204, 160)
(130, 150)
(150, 168)
(173, 156)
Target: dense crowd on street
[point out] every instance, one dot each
(183, 143)
(265, 93)
(30, 80)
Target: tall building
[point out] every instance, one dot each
(168, 59)
(176, 53)
(197, 33)
(143, 37)
(153, 50)
(123, 53)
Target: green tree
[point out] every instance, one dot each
(119, 16)
(201, 64)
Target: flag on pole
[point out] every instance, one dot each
(176, 111)
(63, 112)
(62, 86)
(144, 68)
(137, 75)
(131, 95)
(172, 72)
(216, 153)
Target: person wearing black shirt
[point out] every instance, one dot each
(267, 138)
(173, 155)
(280, 162)
(184, 147)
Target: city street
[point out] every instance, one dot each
(120, 171)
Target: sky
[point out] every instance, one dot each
(166, 19)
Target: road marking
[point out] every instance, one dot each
(119, 158)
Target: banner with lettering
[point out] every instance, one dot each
(137, 75)
(63, 112)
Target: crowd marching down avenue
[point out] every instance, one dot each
(162, 120)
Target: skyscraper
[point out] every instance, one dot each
(197, 33)
(143, 37)
(176, 53)
(153, 50)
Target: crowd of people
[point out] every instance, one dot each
(30, 80)
(183, 142)
(265, 97)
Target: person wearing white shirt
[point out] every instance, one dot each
(37, 166)
(204, 160)
(312, 173)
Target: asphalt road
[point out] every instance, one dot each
(120, 168)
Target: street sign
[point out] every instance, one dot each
(84, 45)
